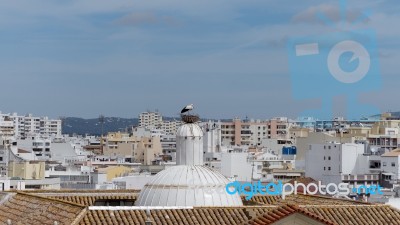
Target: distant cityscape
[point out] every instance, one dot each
(148, 157)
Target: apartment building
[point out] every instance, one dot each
(170, 127)
(252, 132)
(390, 166)
(135, 149)
(150, 119)
(7, 128)
(383, 134)
(337, 163)
(28, 125)
(154, 120)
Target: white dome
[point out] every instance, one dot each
(189, 130)
(187, 186)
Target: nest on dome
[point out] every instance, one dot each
(190, 118)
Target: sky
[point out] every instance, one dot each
(228, 57)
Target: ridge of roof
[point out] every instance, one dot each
(285, 211)
(51, 199)
(332, 198)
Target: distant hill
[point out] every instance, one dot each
(74, 125)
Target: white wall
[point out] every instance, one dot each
(327, 162)
(235, 164)
(134, 182)
(212, 139)
(386, 165)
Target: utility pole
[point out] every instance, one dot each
(101, 120)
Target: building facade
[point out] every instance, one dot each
(143, 150)
(13, 125)
(154, 120)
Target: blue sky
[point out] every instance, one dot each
(118, 58)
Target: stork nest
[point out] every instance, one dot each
(190, 118)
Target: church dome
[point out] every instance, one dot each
(187, 186)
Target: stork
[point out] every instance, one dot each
(187, 108)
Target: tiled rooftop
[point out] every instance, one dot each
(72, 208)
(88, 198)
(25, 209)
(284, 211)
(335, 215)
(301, 199)
(349, 215)
(204, 216)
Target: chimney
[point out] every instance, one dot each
(148, 219)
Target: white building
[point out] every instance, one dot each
(238, 166)
(154, 120)
(212, 141)
(337, 163)
(7, 127)
(28, 125)
(170, 127)
(150, 119)
(390, 164)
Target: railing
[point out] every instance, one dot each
(360, 177)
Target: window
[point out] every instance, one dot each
(329, 158)
(384, 164)
(324, 157)
(329, 168)
(393, 164)
(324, 168)
(329, 147)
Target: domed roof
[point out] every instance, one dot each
(187, 186)
(189, 130)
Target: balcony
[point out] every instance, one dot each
(349, 178)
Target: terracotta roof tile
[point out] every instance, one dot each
(22, 208)
(301, 199)
(88, 198)
(352, 215)
(335, 214)
(200, 216)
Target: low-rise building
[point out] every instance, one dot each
(390, 166)
(115, 171)
(143, 150)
